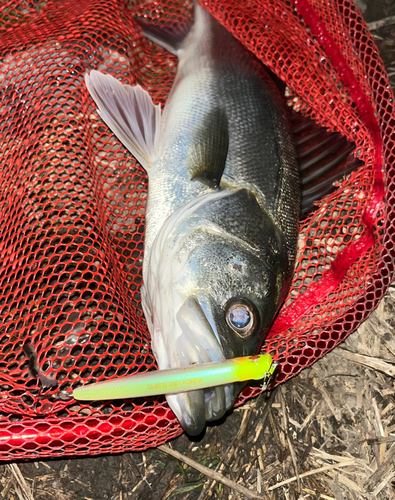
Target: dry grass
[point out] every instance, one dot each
(327, 434)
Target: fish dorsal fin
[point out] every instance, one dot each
(130, 114)
(162, 28)
(209, 149)
(324, 158)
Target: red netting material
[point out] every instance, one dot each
(72, 207)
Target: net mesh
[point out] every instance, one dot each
(72, 205)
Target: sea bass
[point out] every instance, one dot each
(222, 211)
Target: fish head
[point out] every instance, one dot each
(232, 293)
(229, 291)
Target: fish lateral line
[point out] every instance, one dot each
(183, 379)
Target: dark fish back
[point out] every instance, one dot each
(261, 152)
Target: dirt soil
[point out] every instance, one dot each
(327, 434)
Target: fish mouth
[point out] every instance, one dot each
(199, 343)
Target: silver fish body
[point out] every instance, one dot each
(222, 213)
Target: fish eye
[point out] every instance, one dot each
(242, 317)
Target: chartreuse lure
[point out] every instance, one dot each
(176, 380)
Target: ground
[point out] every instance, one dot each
(326, 434)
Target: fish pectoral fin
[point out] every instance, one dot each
(163, 29)
(208, 151)
(130, 114)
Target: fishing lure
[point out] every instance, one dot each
(176, 380)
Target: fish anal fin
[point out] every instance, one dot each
(209, 150)
(163, 27)
(130, 114)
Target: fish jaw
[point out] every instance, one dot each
(193, 339)
(198, 342)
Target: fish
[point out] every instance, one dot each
(222, 213)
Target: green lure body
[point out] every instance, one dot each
(178, 380)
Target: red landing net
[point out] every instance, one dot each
(72, 208)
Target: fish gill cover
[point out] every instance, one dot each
(72, 203)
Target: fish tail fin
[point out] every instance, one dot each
(130, 114)
(163, 29)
